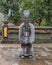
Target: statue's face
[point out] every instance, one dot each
(26, 14)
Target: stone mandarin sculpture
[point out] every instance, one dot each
(26, 36)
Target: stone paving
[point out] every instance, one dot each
(10, 56)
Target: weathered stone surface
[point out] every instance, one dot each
(10, 56)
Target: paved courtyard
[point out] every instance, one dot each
(9, 55)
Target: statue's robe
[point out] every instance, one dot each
(31, 38)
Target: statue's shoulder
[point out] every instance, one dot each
(31, 25)
(21, 25)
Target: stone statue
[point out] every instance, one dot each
(26, 36)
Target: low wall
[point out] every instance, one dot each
(42, 34)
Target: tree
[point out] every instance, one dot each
(36, 7)
(11, 9)
(47, 11)
(33, 5)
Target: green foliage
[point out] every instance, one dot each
(5, 5)
(36, 7)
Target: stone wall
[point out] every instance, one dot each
(42, 34)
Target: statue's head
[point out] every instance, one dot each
(26, 14)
